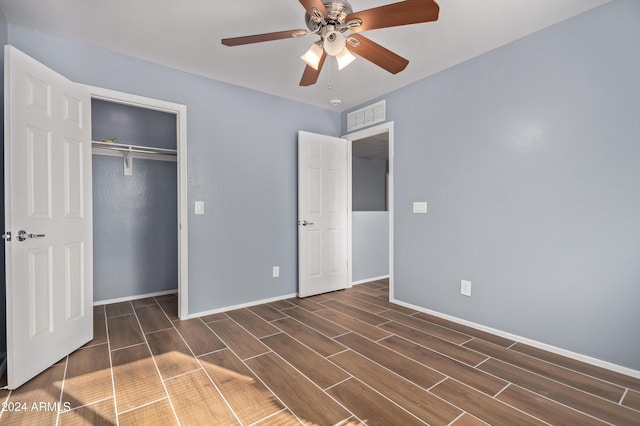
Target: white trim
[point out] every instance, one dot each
(349, 213)
(368, 280)
(361, 134)
(181, 146)
(135, 297)
(242, 305)
(554, 349)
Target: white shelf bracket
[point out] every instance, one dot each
(128, 164)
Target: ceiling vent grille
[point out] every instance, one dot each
(363, 117)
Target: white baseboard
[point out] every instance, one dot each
(136, 297)
(554, 349)
(240, 306)
(368, 280)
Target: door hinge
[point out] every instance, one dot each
(6, 236)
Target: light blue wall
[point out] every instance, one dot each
(529, 157)
(369, 184)
(241, 162)
(135, 218)
(370, 245)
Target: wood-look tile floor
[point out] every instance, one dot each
(348, 357)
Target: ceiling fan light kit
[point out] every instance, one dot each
(313, 55)
(344, 58)
(330, 19)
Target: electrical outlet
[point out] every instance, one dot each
(420, 207)
(276, 271)
(465, 288)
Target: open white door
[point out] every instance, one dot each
(322, 214)
(49, 268)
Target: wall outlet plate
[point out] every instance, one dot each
(420, 207)
(465, 288)
(276, 272)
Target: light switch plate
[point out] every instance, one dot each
(276, 272)
(199, 209)
(420, 207)
(465, 288)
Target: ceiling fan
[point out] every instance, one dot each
(331, 19)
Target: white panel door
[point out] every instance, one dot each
(49, 268)
(322, 214)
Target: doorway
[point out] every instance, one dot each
(371, 208)
(150, 187)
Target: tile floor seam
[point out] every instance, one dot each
(580, 391)
(166, 391)
(113, 381)
(64, 379)
(433, 349)
(262, 381)
(212, 352)
(199, 361)
(452, 422)
(146, 404)
(550, 379)
(211, 378)
(312, 382)
(389, 399)
(271, 415)
(127, 347)
(623, 396)
(568, 407)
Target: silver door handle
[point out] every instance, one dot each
(22, 235)
(305, 223)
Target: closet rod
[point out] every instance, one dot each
(133, 148)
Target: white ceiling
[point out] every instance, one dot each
(186, 35)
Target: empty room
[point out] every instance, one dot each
(321, 212)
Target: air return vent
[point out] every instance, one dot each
(372, 114)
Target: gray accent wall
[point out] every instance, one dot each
(529, 158)
(242, 162)
(132, 125)
(370, 245)
(369, 184)
(135, 220)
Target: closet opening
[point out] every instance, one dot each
(139, 202)
(371, 207)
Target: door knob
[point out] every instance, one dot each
(305, 223)
(22, 235)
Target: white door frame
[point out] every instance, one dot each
(181, 122)
(351, 137)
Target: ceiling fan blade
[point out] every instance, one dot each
(309, 5)
(310, 75)
(259, 38)
(396, 14)
(373, 52)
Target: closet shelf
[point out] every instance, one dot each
(129, 152)
(132, 148)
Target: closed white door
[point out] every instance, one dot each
(49, 270)
(322, 214)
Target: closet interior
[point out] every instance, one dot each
(135, 204)
(370, 208)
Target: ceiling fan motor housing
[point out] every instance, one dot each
(337, 11)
